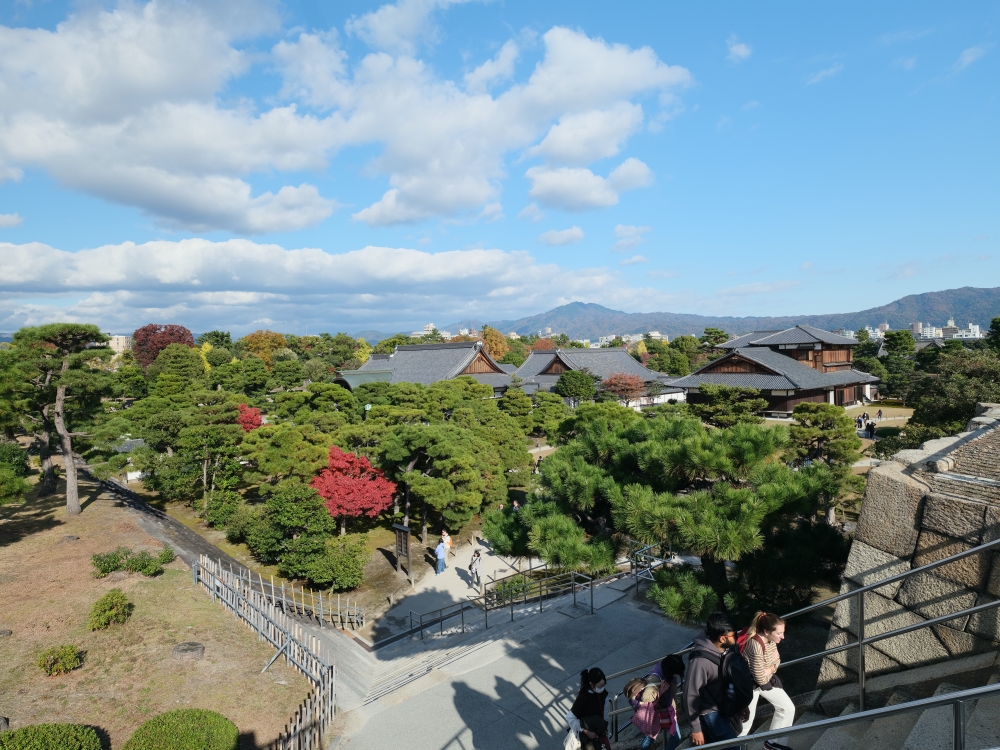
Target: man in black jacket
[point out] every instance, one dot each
(707, 723)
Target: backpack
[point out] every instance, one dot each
(732, 690)
(634, 687)
(743, 637)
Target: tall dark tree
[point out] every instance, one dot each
(68, 383)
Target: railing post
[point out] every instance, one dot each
(512, 606)
(194, 573)
(591, 595)
(541, 591)
(637, 575)
(574, 591)
(486, 613)
(958, 711)
(614, 717)
(861, 651)
(463, 617)
(441, 621)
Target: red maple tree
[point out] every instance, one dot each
(352, 487)
(150, 340)
(624, 386)
(249, 418)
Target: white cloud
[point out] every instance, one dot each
(131, 104)
(561, 236)
(629, 236)
(662, 273)
(238, 283)
(906, 63)
(824, 74)
(968, 57)
(9, 221)
(633, 260)
(579, 189)
(908, 35)
(500, 68)
(531, 212)
(750, 105)
(589, 136)
(738, 51)
(724, 123)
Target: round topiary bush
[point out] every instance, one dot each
(44, 736)
(186, 729)
(113, 608)
(60, 660)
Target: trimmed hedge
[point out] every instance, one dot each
(60, 660)
(186, 729)
(113, 608)
(48, 736)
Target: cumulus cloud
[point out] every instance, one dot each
(579, 189)
(9, 221)
(130, 104)
(968, 57)
(738, 51)
(561, 236)
(824, 74)
(531, 212)
(629, 236)
(635, 259)
(238, 283)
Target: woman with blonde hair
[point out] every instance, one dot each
(760, 648)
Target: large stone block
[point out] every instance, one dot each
(866, 565)
(985, 624)
(932, 597)
(963, 644)
(875, 661)
(991, 524)
(831, 673)
(970, 571)
(890, 512)
(952, 516)
(993, 582)
(884, 615)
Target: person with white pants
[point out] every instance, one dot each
(761, 652)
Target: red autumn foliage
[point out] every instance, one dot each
(626, 387)
(249, 418)
(150, 340)
(352, 487)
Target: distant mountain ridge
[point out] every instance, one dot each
(584, 320)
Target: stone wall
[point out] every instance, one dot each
(922, 506)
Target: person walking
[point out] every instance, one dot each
(440, 551)
(475, 567)
(760, 648)
(588, 716)
(717, 674)
(644, 695)
(446, 538)
(879, 415)
(670, 671)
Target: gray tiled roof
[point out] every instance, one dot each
(788, 374)
(795, 335)
(600, 362)
(425, 363)
(353, 378)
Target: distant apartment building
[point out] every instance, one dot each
(513, 336)
(846, 333)
(972, 332)
(429, 329)
(119, 344)
(926, 332)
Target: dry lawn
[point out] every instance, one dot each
(128, 674)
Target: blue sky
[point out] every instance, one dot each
(306, 166)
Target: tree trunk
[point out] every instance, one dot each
(204, 487)
(44, 438)
(715, 575)
(831, 515)
(72, 491)
(343, 525)
(406, 506)
(425, 525)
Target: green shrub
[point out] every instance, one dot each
(143, 562)
(113, 608)
(682, 596)
(134, 562)
(14, 457)
(221, 507)
(12, 487)
(109, 562)
(60, 660)
(343, 565)
(50, 736)
(186, 729)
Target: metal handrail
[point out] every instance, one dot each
(957, 700)
(863, 640)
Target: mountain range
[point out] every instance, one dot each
(582, 320)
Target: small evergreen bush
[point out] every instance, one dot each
(186, 729)
(14, 457)
(60, 660)
(134, 562)
(47, 736)
(221, 507)
(682, 595)
(113, 608)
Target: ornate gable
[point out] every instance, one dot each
(481, 365)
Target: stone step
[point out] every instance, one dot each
(846, 736)
(933, 730)
(889, 732)
(982, 729)
(807, 738)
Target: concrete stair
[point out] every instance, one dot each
(982, 728)
(844, 737)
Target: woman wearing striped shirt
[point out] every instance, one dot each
(766, 631)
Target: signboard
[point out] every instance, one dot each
(403, 549)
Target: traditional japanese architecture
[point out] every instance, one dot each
(541, 370)
(788, 367)
(429, 363)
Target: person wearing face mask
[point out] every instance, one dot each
(760, 647)
(588, 717)
(719, 686)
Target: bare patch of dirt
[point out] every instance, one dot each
(128, 674)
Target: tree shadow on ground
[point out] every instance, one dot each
(35, 514)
